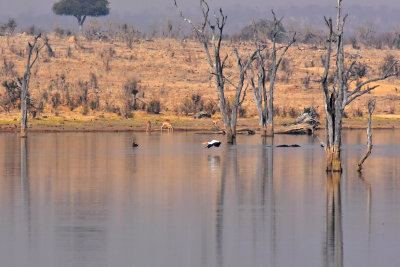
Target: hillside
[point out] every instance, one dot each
(87, 79)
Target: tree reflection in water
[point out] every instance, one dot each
(25, 185)
(226, 169)
(369, 202)
(333, 243)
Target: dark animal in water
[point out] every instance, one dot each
(295, 145)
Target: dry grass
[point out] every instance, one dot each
(169, 70)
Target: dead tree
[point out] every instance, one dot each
(371, 108)
(210, 36)
(265, 108)
(23, 83)
(50, 51)
(342, 91)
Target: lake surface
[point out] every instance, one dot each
(90, 199)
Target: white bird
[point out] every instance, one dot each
(212, 143)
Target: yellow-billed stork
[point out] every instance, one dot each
(212, 143)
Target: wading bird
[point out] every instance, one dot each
(212, 143)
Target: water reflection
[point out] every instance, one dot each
(333, 243)
(368, 202)
(25, 187)
(242, 199)
(220, 197)
(93, 200)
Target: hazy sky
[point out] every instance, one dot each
(145, 13)
(16, 7)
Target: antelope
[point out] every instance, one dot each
(148, 128)
(168, 124)
(215, 121)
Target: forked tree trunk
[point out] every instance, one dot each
(81, 20)
(264, 105)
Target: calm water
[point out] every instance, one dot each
(92, 200)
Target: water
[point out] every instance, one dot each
(90, 199)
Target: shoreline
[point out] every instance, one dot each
(182, 124)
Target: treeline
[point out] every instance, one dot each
(365, 35)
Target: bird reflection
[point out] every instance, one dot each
(333, 245)
(214, 163)
(220, 205)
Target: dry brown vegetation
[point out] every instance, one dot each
(99, 79)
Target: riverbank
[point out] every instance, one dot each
(110, 122)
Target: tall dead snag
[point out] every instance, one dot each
(210, 36)
(265, 108)
(371, 108)
(23, 83)
(342, 91)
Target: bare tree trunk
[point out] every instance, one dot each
(24, 84)
(270, 117)
(270, 120)
(24, 113)
(341, 93)
(266, 113)
(371, 108)
(81, 20)
(231, 137)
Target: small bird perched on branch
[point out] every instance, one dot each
(212, 143)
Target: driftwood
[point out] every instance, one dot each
(306, 123)
(223, 132)
(246, 131)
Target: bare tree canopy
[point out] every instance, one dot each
(257, 81)
(345, 88)
(210, 35)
